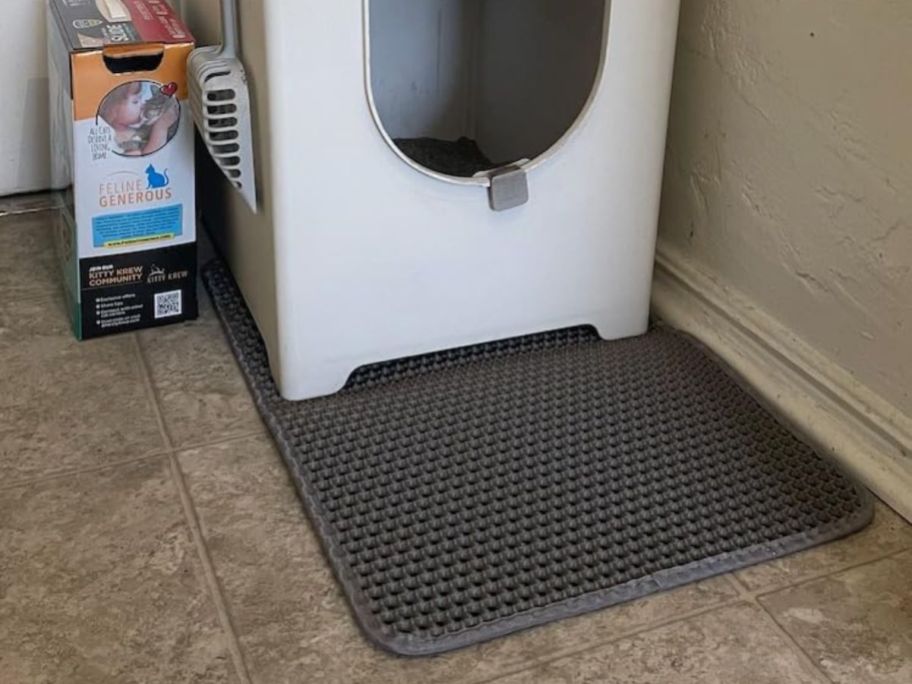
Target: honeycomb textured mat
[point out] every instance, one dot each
(468, 494)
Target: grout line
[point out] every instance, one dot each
(193, 522)
(152, 455)
(809, 660)
(151, 392)
(894, 555)
(25, 212)
(768, 591)
(649, 627)
(195, 446)
(157, 453)
(170, 441)
(215, 590)
(763, 592)
(752, 599)
(745, 597)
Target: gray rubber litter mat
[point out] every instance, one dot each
(468, 494)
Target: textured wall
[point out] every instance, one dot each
(789, 174)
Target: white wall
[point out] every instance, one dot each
(24, 155)
(789, 174)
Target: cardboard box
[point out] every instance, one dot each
(122, 141)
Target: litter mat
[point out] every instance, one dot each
(468, 494)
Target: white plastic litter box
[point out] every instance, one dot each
(363, 248)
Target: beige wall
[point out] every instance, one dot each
(789, 176)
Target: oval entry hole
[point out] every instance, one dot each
(467, 86)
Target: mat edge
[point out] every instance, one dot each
(675, 578)
(843, 420)
(581, 605)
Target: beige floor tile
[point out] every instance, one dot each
(99, 582)
(28, 261)
(202, 393)
(66, 404)
(736, 644)
(857, 624)
(291, 617)
(887, 534)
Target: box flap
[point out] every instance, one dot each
(95, 24)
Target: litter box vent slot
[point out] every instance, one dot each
(463, 89)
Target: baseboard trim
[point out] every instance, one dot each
(840, 416)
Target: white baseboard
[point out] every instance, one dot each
(869, 436)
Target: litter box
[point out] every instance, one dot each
(431, 174)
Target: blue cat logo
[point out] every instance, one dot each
(157, 180)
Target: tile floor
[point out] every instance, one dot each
(148, 533)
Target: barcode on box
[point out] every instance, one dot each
(168, 304)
